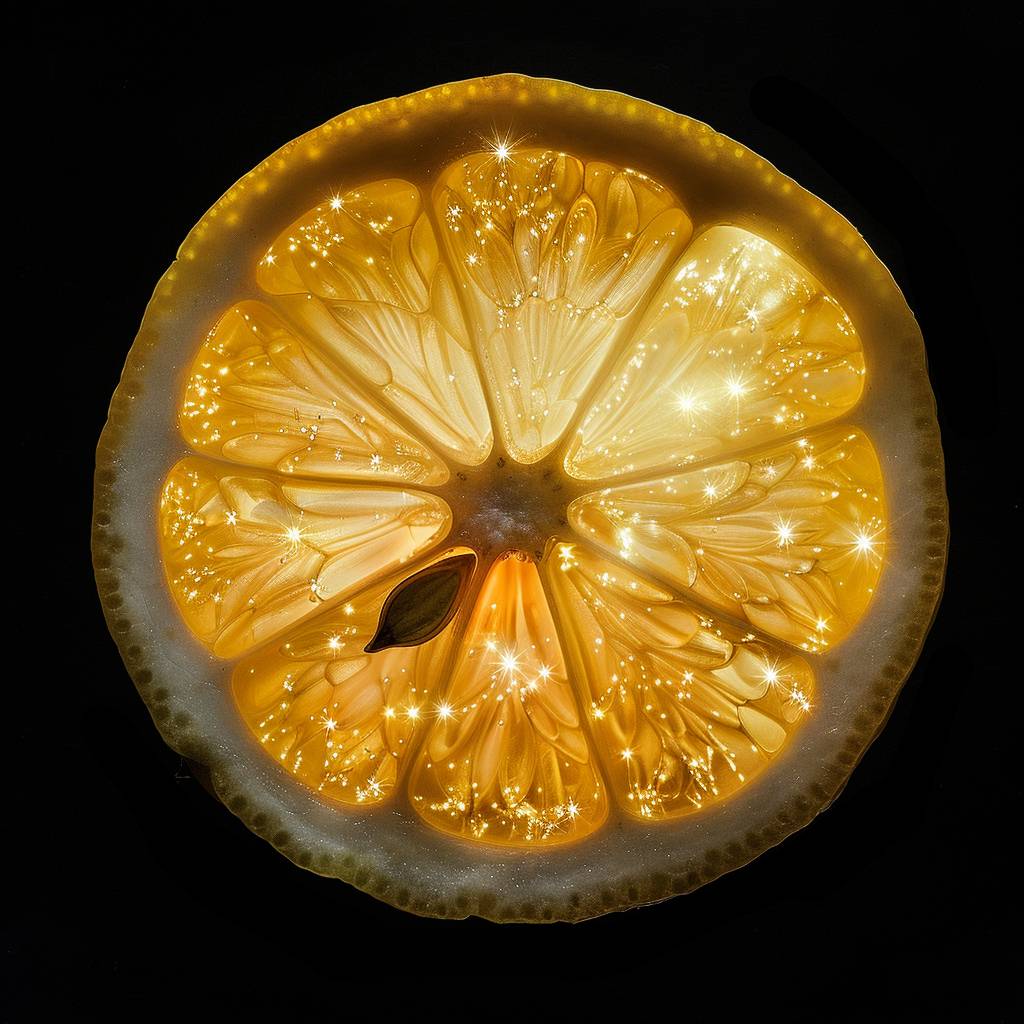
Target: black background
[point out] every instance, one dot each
(137, 891)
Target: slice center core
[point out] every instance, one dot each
(505, 505)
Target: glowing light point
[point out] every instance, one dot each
(735, 387)
(565, 556)
(784, 532)
(864, 543)
(752, 317)
(510, 662)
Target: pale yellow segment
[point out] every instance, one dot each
(361, 273)
(246, 557)
(341, 721)
(792, 539)
(553, 254)
(509, 761)
(261, 395)
(740, 346)
(685, 710)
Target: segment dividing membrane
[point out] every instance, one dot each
(663, 414)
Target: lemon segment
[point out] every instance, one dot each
(552, 254)
(361, 273)
(739, 347)
(246, 557)
(509, 761)
(791, 539)
(260, 395)
(340, 720)
(685, 710)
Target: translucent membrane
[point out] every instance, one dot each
(739, 346)
(509, 760)
(790, 539)
(684, 710)
(707, 370)
(340, 720)
(246, 556)
(553, 253)
(261, 395)
(361, 272)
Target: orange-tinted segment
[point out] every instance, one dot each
(507, 759)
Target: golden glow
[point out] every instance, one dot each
(791, 539)
(247, 556)
(684, 710)
(566, 298)
(739, 346)
(512, 763)
(552, 253)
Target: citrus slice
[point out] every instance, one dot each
(527, 522)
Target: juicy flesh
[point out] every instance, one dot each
(509, 760)
(694, 527)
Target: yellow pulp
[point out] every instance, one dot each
(723, 532)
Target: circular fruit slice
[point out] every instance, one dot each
(501, 541)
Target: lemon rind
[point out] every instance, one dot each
(653, 862)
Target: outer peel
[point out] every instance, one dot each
(627, 862)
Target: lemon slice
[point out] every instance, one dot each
(527, 521)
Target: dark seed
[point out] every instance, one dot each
(420, 607)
